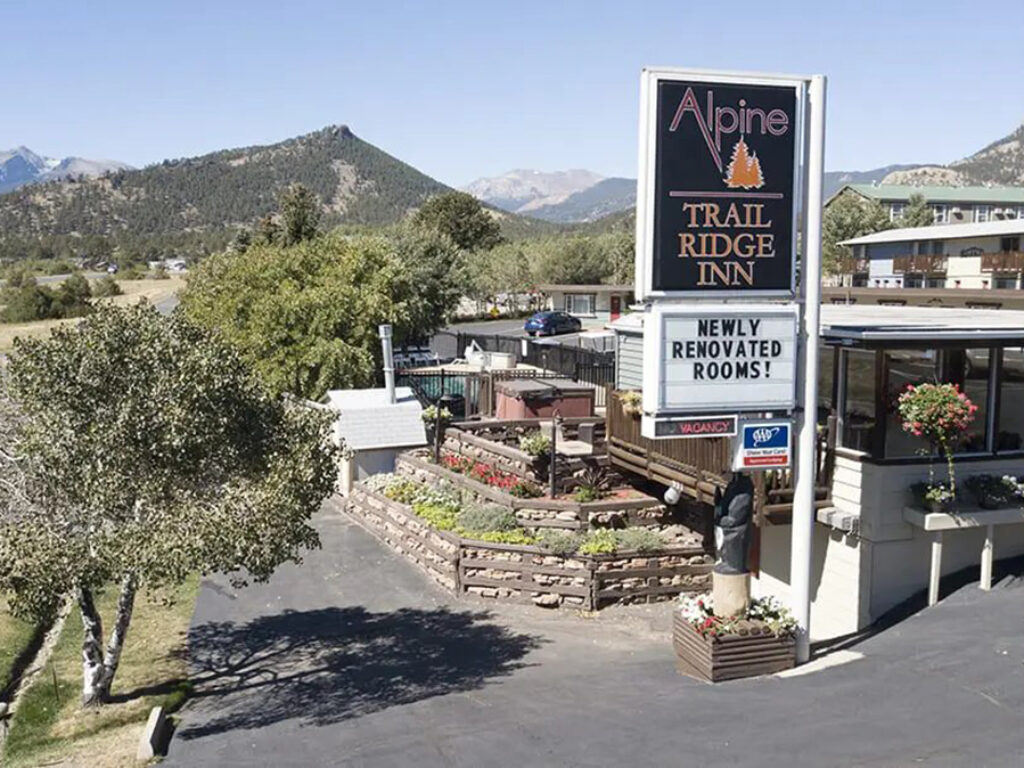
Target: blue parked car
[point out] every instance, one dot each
(551, 322)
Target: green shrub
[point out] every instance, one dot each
(488, 517)
(600, 541)
(639, 540)
(441, 517)
(518, 536)
(535, 443)
(106, 286)
(402, 490)
(561, 543)
(585, 493)
(604, 541)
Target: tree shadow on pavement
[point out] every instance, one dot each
(329, 665)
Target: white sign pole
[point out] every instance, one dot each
(810, 278)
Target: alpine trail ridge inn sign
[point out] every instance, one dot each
(717, 190)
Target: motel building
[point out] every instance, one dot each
(597, 301)
(873, 548)
(949, 205)
(976, 256)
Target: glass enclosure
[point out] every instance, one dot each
(866, 393)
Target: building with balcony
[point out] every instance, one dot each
(873, 549)
(950, 205)
(981, 256)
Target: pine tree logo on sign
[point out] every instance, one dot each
(744, 170)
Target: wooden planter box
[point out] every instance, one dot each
(754, 650)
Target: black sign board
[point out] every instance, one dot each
(724, 165)
(696, 426)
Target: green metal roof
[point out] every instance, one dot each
(938, 194)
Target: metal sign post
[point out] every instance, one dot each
(801, 547)
(730, 167)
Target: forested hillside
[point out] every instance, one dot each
(193, 206)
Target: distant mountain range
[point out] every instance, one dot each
(584, 196)
(22, 166)
(194, 205)
(558, 196)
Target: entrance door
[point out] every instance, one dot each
(616, 306)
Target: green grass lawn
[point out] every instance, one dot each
(50, 726)
(15, 636)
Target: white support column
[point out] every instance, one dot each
(801, 549)
(936, 572)
(986, 557)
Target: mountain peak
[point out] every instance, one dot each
(20, 166)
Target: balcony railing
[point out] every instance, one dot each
(851, 266)
(699, 466)
(927, 263)
(1008, 261)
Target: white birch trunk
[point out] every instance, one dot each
(92, 649)
(123, 617)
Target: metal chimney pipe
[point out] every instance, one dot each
(389, 361)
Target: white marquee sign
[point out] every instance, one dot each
(719, 358)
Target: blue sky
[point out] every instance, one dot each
(468, 89)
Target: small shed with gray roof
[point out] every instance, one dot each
(373, 430)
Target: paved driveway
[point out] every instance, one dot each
(354, 659)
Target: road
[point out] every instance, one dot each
(355, 659)
(59, 278)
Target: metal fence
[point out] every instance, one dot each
(473, 392)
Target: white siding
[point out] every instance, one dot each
(857, 578)
(629, 361)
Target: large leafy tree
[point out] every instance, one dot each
(917, 212)
(848, 216)
(575, 261)
(306, 317)
(142, 450)
(461, 217)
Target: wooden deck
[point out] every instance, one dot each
(698, 466)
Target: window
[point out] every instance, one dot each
(970, 369)
(826, 373)
(935, 282)
(1010, 430)
(896, 211)
(938, 247)
(1020, 211)
(860, 280)
(1005, 282)
(911, 280)
(940, 213)
(580, 303)
(859, 401)
(982, 212)
(911, 366)
(1009, 244)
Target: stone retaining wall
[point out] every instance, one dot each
(529, 574)
(436, 552)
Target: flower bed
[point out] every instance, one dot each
(715, 648)
(536, 513)
(490, 475)
(518, 448)
(549, 571)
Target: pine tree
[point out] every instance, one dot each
(744, 168)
